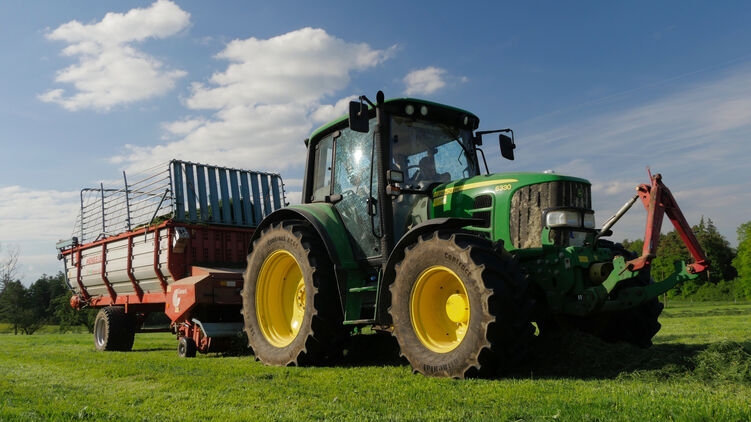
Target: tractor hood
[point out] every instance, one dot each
(516, 207)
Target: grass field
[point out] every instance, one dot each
(698, 370)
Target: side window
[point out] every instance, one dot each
(353, 162)
(322, 176)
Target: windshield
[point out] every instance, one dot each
(429, 152)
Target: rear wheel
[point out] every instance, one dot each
(290, 304)
(186, 347)
(459, 307)
(114, 330)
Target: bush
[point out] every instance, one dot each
(742, 288)
(721, 291)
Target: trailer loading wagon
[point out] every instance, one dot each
(172, 241)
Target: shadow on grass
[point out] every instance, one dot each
(378, 349)
(577, 355)
(583, 356)
(573, 354)
(153, 349)
(570, 355)
(681, 313)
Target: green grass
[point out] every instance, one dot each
(698, 370)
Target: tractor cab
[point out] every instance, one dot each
(380, 173)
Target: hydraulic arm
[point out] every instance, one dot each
(659, 202)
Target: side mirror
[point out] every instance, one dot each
(507, 146)
(395, 176)
(358, 117)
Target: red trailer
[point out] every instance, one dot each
(173, 241)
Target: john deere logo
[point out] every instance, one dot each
(579, 193)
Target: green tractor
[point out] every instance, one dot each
(400, 231)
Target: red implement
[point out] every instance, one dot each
(659, 202)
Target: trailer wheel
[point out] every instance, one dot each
(186, 347)
(114, 330)
(290, 301)
(459, 307)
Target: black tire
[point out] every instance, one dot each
(291, 307)
(459, 307)
(114, 330)
(637, 325)
(186, 347)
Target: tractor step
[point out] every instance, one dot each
(360, 304)
(363, 289)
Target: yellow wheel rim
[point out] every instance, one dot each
(280, 298)
(439, 309)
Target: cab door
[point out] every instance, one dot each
(345, 177)
(355, 181)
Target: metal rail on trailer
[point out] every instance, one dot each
(171, 241)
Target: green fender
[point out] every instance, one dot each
(326, 222)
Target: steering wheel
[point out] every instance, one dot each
(417, 175)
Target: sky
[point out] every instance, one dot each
(599, 90)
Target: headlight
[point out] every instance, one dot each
(570, 218)
(563, 218)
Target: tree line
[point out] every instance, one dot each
(729, 276)
(46, 301)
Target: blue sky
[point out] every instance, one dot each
(600, 90)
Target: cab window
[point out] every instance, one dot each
(322, 176)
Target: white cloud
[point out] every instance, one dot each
(182, 127)
(262, 137)
(424, 81)
(25, 210)
(34, 220)
(328, 112)
(296, 67)
(110, 71)
(265, 102)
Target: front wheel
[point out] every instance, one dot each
(290, 304)
(459, 307)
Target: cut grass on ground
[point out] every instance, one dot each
(698, 369)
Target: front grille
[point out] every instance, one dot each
(481, 209)
(529, 202)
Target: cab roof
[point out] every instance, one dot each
(394, 105)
